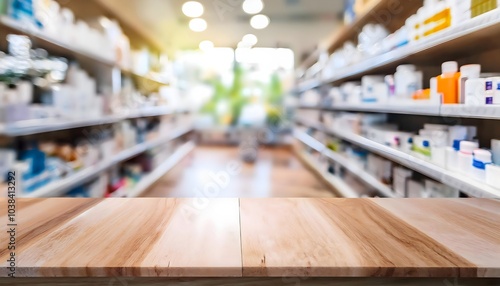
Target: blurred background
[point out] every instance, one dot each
(127, 98)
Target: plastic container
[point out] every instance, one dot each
(493, 175)
(447, 83)
(474, 91)
(467, 72)
(407, 80)
(491, 86)
(482, 158)
(373, 87)
(495, 149)
(465, 157)
(492, 90)
(452, 156)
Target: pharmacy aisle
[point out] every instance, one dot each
(218, 172)
(252, 142)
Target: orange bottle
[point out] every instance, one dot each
(447, 83)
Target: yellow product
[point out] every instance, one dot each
(479, 7)
(437, 22)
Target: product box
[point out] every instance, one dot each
(400, 181)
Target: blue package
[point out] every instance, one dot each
(21, 10)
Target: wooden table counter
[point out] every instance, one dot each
(254, 238)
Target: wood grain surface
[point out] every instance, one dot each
(282, 238)
(127, 237)
(366, 237)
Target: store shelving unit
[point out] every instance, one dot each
(353, 168)
(418, 109)
(30, 127)
(80, 177)
(161, 170)
(44, 41)
(444, 110)
(457, 40)
(105, 69)
(467, 185)
(49, 43)
(332, 181)
(460, 41)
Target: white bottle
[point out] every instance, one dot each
(465, 157)
(474, 91)
(467, 72)
(407, 80)
(482, 158)
(452, 156)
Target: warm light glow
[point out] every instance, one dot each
(198, 25)
(253, 6)
(192, 9)
(206, 45)
(259, 21)
(250, 39)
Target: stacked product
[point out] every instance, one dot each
(39, 163)
(434, 17)
(466, 85)
(451, 147)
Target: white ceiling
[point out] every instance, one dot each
(296, 24)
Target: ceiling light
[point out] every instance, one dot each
(253, 6)
(250, 39)
(198, 25)
(206, 45)
(192, 9)
(259, 21)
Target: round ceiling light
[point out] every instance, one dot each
(250, 39)
(192, 9)
(198, 25)
(253, 6)
(206, 45)
(259, 21)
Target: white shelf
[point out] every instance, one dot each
(61, 186)
(307, 85)
(48, 42)
(161, 170)
(335, 182)
(354, 169)
(467, 185)
(444, 110)
(37, 126)
(417, 108)
(459, 38)
(471, 111)
(51, 44)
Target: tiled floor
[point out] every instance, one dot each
(276, 173)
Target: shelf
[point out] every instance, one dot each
(46, 42)
(307, 85)
(42, 40)
(417, 109)
(334, 182)
(450, 43)
(63, 185)
(37, 126)
(471, 111)
(467, 185)
(151, 79)
(354, 169)
(161, 170)
(377, 11)
(444, 110)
